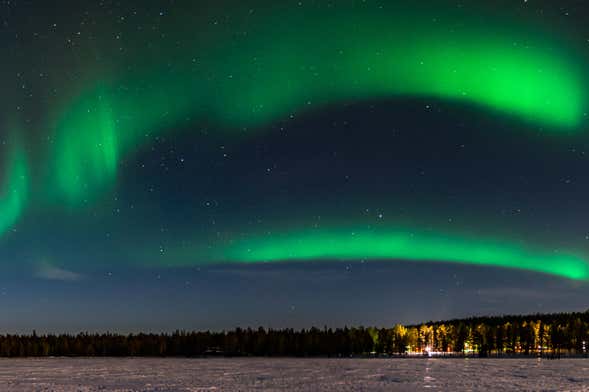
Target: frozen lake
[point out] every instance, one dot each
(281, 374)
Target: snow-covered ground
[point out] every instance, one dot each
(284, 374)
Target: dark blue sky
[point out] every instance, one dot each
(135, 252)
(294, 295)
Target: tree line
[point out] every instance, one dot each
(540, 334)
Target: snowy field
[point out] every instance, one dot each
(255, 374)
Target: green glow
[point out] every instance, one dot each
(531, 84)
(341, 244)
(14, 192)
(305, 61)
(87, 145)
(290, 62)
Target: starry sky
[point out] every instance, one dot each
(210, 164)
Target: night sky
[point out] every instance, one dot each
(207, 165)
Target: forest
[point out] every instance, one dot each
(550, 335)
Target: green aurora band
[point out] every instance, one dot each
(290, 62)
(307, 61)
(15, 190)
(338, 244)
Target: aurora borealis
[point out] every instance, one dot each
(331, 245)
(263, 81)
(15, 191)
(180, 136)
